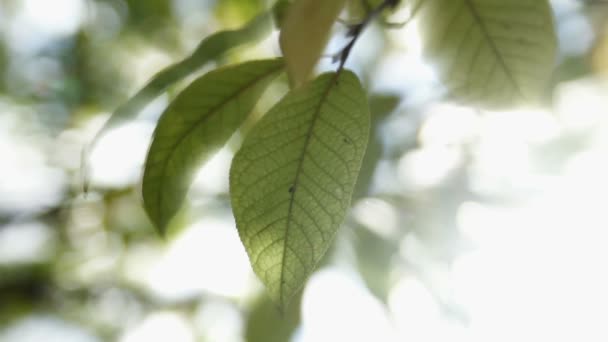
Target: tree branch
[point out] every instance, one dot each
(355, 31)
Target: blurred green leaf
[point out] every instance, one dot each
(304, 35)
(492, 53)
(375, 257)
(208, 50)
(23, 287)
(4, 60)
(150, 14)
(267, 324)
(571, 68)
(292, 180)
(198, 122)
(229, 10)
(279, 11)
(380, 106)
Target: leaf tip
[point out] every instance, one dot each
(158, 222)
(157, 216)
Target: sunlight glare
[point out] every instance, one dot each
(337, 307)
(118, 158)
(378, 216)
(206, 257)
(161, 327)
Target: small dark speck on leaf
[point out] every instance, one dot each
(346, 141)
(291, 189)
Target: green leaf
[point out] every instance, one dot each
(292, 180)
(279, 11)
(304, 34)
(198, 122)
(209, 49)
(492, 53)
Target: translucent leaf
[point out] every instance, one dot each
(291, 182)
(305, 33)
(198, 122)
(492, 53)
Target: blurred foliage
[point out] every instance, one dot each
(382, 106)
(95, 76)
(148, 16)
(82, 263)
(230, 11)
(268, 324)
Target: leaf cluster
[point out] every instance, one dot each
(292, 180)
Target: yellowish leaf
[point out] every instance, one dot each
(304, 35)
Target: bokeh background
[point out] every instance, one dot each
(466, 225)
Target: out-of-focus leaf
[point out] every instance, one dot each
(149, 16)
(571, 68)
(380, 106)
(198, 122)
(22, 288)
(491, 53)
(211, 48)
(279, 11)
(304, 35)
(230, 10)
(291, 182)
(375, 257)
(3, 63)
(267, 324)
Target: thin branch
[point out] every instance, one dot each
(399, 25)
(355, 31)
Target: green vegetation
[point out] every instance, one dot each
(265, 170)
(490, 54)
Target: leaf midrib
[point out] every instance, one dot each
(210, 113)
(486, 34)
(332, 82)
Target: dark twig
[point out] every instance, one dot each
(398, 25)
(355, 31)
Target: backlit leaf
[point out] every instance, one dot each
(304, 34)
(197, 123)
(291, 182)
(492, 53)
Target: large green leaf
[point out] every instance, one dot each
(292, 180)
(492, 53)
(198, 122)
(304, 34)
